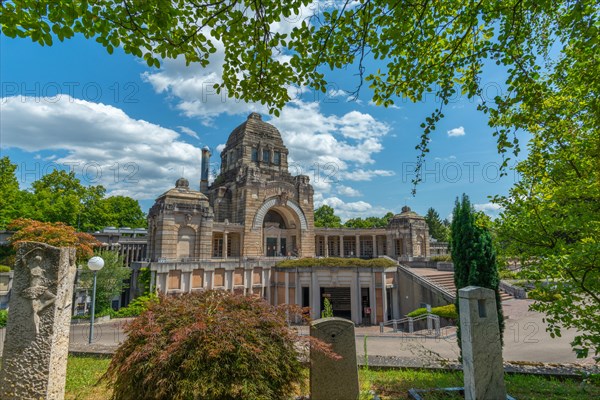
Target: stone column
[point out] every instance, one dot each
(341, 245)
(357, 246)
(34, 362)
(481, 348)
(315, 298)
(225, 237)
(374, 245)
(326, 238)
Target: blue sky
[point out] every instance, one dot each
(135, 130)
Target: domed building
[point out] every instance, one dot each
(231, 233)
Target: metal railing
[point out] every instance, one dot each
(433, 323)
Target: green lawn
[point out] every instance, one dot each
(84, 371)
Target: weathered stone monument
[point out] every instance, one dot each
(481, 346)
(334, 379)
(34, 362)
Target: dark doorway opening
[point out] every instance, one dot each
(282, 247)
(365, 302)
(340, 300)
(305, 297)
(271, 247)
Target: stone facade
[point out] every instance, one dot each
(230, 234)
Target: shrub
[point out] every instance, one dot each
(136, 307)
(211, 345)
(4, 268)
(3, 318)
(447, 311)
(337, 262)
(543, 295)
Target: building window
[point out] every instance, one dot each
(254, 154)
(266, 156)
(277, 158)
(399, 247)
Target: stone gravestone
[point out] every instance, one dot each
(334, 379)
(481, 347)
(34, 363)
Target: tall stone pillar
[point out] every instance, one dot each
(341, 245)
(34, 363)
(326, 238)
(225, 237)
(357, 246)
(481, 347)
(374, 245)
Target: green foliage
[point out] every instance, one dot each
(136, 307)
(447, 311)
(369, 222)
(144, 279)
(325, 217)
(437, 229)
(109, 282)
(60, 197)
(4, 268)
(3, 318)
(543, 295)
(208, 345)
(473, 255)
(441, 258)
(327, 309)
(124, 211)
(336, 262)
(9, 187)
(551, 216)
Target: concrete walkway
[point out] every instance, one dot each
(525, 340)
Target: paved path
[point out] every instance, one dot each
(525, 340)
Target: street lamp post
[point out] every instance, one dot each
(94, 264)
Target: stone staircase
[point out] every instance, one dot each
(445, 280)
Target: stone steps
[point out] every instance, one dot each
(446, 281)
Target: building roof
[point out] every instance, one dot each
(182, 190)
(255, 127)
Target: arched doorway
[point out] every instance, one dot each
(280, 233)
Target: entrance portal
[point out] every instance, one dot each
(271, 247)
(340, 300)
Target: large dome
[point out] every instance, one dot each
(254, 128)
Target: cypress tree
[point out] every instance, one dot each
(473, 255)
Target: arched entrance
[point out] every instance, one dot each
(280, 233)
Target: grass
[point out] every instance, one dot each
(83, 373)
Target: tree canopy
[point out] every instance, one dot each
(52, 233)
(437, 228)
(551, 217)
(60, 197)
(401, 49)
(325, 217)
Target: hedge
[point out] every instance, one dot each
(336, 262)
(447, 311)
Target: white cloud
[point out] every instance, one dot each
(337, 93)
(220, 147)
(103, 144)
(188, 131)
(367, 175)
(348, 191)
(460, 131)
(347, 210)
(491, 209)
